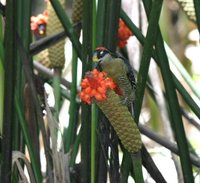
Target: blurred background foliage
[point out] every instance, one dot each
(48, 135)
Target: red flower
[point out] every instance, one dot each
(123, 34)
(38, 20)
(94, 86)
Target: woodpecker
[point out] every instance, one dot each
(119, 69)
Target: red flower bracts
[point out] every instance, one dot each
(95, 85)
(123, 34)
(38, 20)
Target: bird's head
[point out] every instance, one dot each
(100, 55)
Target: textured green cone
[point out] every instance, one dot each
(43, 58)
(188, 8)
(122, 121)
(77, 11)
(56, 52)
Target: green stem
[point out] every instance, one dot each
(112, 24)
(94, 117)
(125, 167)
(75, 150)
(70, 132)
(1, 90)
(100, 26)
(8, 115)
(93, 142)
(137, 167)
(85, 109)
(57, 91)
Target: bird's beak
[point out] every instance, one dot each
(95, 58)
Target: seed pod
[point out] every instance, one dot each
(43, 58)
(56, 52)
(77, 11)
(122, 121)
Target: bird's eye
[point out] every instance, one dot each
(101, 53)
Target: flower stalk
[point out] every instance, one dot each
(97, 87)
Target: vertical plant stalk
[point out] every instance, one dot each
(8, 115)
(93, 142)
(94, 114)
(71, 131)
(103, 136)
(2, 72)
(19, 73)
(113, 13)
(57, 91)
(85, 109)
(126, 166)
(100, 26)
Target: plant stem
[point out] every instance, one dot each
(57, 92)
(8, 115)
(137, 166)
(93, 142)
(85, 109)
(71, 131)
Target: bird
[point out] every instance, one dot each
(119, 69)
